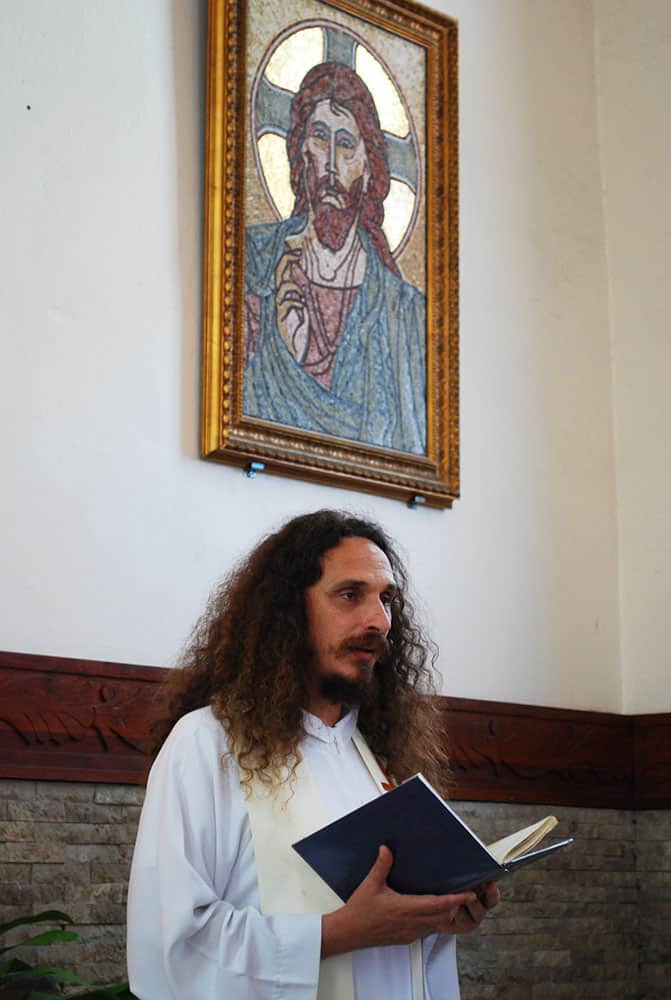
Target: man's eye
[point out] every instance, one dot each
(346, 141)
(318, 132)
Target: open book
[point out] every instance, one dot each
(434, 851)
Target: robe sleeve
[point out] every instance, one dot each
(194, 931)
(441, 980)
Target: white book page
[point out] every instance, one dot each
(511, 847)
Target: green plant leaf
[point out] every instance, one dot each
(14, 965)
(59, 975)
(49, 937)
(53, 916)
(16, 972)
(118, 992)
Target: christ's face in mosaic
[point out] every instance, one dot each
(336, 171)
(333, 142)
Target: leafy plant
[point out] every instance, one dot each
(21, 981)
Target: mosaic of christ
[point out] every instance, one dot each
(335, 332)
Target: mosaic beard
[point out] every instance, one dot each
(333, 223)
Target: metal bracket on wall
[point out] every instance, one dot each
(252, 468)
(416, 500)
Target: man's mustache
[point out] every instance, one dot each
(327, 184)
(368, 642)
(326, 187)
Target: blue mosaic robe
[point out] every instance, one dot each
(378, 387)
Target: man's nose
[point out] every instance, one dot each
(377, 617)
(331, 167)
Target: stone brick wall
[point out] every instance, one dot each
(593, 922)
(590, 923)
(68, 846)
(566, 927)
(653, 871)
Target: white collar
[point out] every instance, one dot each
(340, 733)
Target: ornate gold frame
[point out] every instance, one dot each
(226, 434)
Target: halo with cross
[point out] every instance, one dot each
(277, 80)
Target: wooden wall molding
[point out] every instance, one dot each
(74, 720)
(85, 720)
(504, 752)
(652, 760)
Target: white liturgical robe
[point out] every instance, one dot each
(195, 930)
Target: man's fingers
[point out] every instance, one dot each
(380, 870)
(427, 905)
(438, 905)
(487, 899)
(382, 866)
(288, 292)
(286, 261)
(476, 911)
(489, 895)
(492, 895)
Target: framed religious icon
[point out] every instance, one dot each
(330, 345)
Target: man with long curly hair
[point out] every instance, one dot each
(306, 683)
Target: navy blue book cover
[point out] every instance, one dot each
(434, 851)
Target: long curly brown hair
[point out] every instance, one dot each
(250, 659)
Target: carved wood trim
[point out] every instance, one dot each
(86, 720)
(652, 761)
(519, 753)
(74, 720)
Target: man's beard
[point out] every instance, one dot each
(333, 223)
(347, 690)
(354, 690)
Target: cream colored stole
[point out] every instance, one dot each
(288, 885)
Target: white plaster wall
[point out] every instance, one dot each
(114, 530)
(634, 73)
